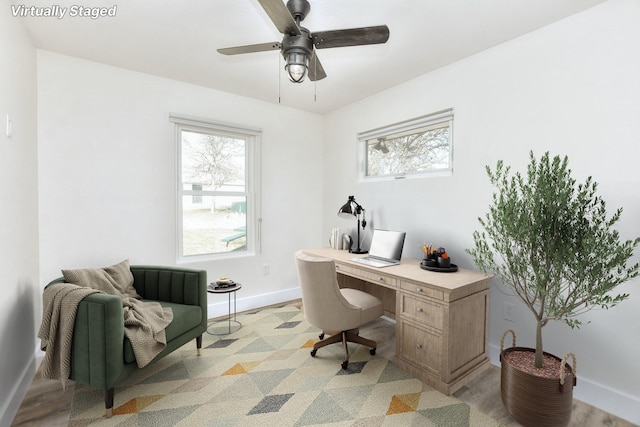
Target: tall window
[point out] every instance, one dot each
(415, 148)
(218, 201)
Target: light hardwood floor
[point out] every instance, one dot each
(47, 404)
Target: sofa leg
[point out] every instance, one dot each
(199, 344)
(108, 402)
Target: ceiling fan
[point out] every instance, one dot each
(297, 46)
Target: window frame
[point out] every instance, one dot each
(252, 137)
(430, 120)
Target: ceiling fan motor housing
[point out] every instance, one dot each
(297, 44)
(299, 9)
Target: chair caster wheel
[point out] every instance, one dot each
(313, 353)
(372, 352)
(345, 364)
(321, 336)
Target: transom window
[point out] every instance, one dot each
(218, 208)
(416, 148)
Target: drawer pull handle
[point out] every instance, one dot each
(418, 289)
(381, 279)
(419, 346)
(420, 310)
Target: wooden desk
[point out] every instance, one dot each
(441, 318)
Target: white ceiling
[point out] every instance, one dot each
(178, 39)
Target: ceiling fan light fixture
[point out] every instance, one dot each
(297, 66)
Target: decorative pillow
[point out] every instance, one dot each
(116, 279)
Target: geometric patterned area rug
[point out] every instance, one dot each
(263, 375)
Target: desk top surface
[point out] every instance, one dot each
(409, 269)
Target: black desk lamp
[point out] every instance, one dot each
(353, 209)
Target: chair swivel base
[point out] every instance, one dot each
(344, 337)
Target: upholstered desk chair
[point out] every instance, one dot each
(336, 311)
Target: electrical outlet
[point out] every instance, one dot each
(265, 269)
(507, 311)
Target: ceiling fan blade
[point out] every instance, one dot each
(351, 37)
(316, 72)
(280, 16)
(262, 47)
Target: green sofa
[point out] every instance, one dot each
(101, 355)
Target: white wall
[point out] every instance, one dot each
(571, 88)
(107, 175)
(19, 287)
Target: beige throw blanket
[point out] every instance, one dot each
(60, 304)
(144, 321)
(144, 325)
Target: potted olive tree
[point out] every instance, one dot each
(551, 242)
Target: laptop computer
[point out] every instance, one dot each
(386, 249)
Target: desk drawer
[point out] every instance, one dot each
(420, 346)
(421, 289)
(421, 310)
(368, 276)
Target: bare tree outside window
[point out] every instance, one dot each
(414, 148)
(422, 151)
(214, 159)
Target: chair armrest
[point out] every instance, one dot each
(98, 340)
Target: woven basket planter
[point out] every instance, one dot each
(536, 401)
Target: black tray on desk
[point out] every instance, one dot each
(451, 269)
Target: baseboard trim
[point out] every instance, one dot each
(221, 308)
(10, 408)
(595, 394)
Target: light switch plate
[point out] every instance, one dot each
(8, 127)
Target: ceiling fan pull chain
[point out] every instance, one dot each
(279, 77)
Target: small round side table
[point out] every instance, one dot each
(236, 325)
